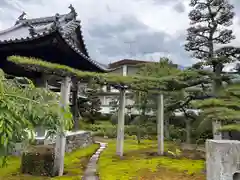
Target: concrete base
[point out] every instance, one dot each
(223, 159)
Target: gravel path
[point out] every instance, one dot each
(90, 172)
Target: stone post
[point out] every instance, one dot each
(120, 126)
(222, 159)
(61, 138)
(160, 124)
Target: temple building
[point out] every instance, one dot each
(56, 39)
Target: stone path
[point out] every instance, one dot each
(90, 172)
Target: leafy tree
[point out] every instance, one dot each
(146, 101)
(23, 107)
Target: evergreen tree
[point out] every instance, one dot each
(90, 107)
(210, 21)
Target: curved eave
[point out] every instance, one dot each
(77, 51)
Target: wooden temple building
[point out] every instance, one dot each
(57, 39)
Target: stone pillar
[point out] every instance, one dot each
(120, 126)
(222, 159)
(215, 126)
(160, 124)
(61, 138)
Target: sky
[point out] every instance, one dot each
(118, 29)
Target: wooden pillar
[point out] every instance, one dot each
(120, 127)
(160, 124)
(75, 105)
(42, 81)
(60, 138)
(215, 126)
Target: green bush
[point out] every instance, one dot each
(177, 133)
(114, 119)
(109, 130)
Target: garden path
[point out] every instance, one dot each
(90, 172)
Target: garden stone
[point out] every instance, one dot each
(223, 159)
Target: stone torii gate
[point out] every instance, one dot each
(64, 101)
(121, 122)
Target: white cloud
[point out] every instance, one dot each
(156, 16)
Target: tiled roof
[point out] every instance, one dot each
(30, 29)
(127, 62)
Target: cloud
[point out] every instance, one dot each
(179, 7)
(154, 28)
(132, 38)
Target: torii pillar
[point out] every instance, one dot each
(61, 138)
(160, 124)
(121, 119)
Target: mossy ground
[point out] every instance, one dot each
(75, 163)
(138, 163)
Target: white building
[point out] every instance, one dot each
(108, 95)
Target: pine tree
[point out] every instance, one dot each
(210, 21)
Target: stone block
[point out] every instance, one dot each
(223, 159)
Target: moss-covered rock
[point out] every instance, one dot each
(38, 160)
(74, 166)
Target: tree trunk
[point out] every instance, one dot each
(139, 134)
(188, 131)
(217, 85)
(166, 128)
(216, 134)
(75, 106)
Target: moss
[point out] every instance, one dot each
(169, 83)
(136, 160)
(74, 163)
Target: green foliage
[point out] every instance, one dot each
(22, 108)
(146, 101)
(136, 160)
(89, 108)
(74, 165)
(114, 119)
(168, 83)
(210, 21)
(225, 108)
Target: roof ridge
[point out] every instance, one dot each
(70, 16)
(11, 28)
(40, 19)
